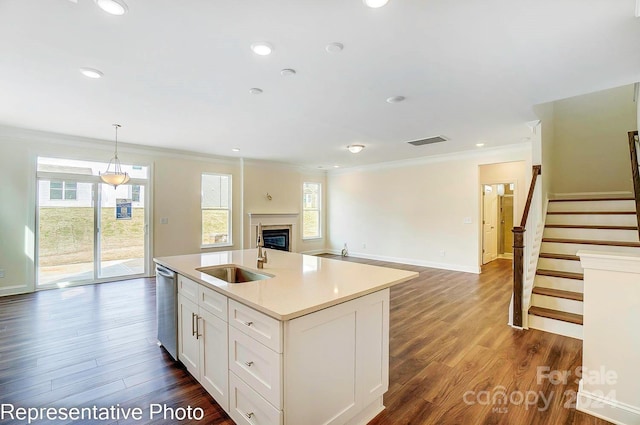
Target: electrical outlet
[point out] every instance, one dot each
(467, 220)
(1, 273)
(364, 246)
(443, 252)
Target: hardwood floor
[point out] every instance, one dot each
(451, 353)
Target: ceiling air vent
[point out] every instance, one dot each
(428, 141)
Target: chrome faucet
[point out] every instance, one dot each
(262, 254)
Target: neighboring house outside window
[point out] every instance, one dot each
(135, 193)
(63, 190)
(311, 207)
(216, 209)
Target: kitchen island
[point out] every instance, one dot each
(308, 343)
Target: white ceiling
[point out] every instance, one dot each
(177, 73)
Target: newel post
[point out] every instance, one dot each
(518, 271)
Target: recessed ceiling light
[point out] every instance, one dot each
(255, 90)
(114, 7)
(262, 49)
(336, 166)
(334, 47)
(374, 4)
(287, 72)
(479, 145)
(91, 73)
(235, 150)
(355, 148)
(395, 99)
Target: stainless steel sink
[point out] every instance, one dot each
(233, 274)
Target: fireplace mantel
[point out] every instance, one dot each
(274, 221)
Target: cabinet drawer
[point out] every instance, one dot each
(259, 326)
(212, 301)
(248, 407)
(257, 365)
(188, 288)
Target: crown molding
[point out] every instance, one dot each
(524, 148)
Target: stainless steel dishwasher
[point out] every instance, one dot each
(167, 309)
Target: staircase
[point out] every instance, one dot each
(572, 225)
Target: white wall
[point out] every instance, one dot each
(589, 149)
(411, 212)
(175, 191)
(284, 184)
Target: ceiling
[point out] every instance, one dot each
(177, 74)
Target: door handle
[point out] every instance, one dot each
(193, 326)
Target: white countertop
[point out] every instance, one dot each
(301, 284)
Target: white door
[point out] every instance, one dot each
(489, 223)
(214, 358)
(188, 343)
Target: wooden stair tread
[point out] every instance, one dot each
(589, 226)
(590, 212)
(559, 256)
(613, 198)
(592, 242)
(559, 293)
(557, 315)
(556, 273)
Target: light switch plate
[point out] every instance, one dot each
(164, 220)
(467, 220)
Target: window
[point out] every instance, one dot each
(63, 190)
(311, 210)
(135, 192)
(216, 209)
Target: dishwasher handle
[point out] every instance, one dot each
(165, 272)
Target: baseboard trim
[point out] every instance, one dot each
(314, 252)
(410, 261)
(15, 290)
(605, 408)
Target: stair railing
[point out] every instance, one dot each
(523, 244)
(634, 149)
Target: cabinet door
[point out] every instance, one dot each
(320, 367)
(372, 339)
(214, 364)
(188, 344)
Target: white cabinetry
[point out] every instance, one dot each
(328, 367)
(337, 362)
(203, 337)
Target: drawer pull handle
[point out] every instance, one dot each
(249, 415)
(193, 326)
(249, 364)
(248, 323)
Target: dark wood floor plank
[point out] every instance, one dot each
(448, 337)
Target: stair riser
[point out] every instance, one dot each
(593, 219)
(555, 326)
(555, 303)
(572, 249)
(592, 234)
(560, 265)
(572, 285)
(592, 206)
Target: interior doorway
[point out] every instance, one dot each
(497, 221)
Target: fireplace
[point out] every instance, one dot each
(277, 224)
(276, 239)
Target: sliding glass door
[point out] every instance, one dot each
(66, 236)
(89, 231)
(122, 230)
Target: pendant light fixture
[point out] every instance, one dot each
(116, 176)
